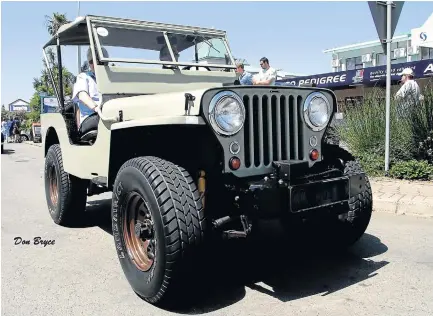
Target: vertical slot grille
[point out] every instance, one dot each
(272, 130)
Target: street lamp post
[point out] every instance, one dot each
(388, 81)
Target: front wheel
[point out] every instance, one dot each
(352, 225)
(158, 221)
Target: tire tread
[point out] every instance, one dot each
(181, 211)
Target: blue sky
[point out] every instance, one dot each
(291, 34)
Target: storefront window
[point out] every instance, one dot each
(350, 63)
(426, 53)
(354, 101)
(380, 59)
(358, 63)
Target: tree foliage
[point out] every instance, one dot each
(54, 22)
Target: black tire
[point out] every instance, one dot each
(3, 150)
(348, 231)
(24, 138)
(67, 200)
(175, 207)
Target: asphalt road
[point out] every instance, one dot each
(389, 272)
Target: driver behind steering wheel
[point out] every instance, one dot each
(87, 97)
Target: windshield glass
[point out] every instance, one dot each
(123, 43)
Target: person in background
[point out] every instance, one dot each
(5, 129)
(245, 78)
(16, 131)
(267, 76)
(409, 94)
(10, 127)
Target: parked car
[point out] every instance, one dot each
(25, 135)
(188, 155)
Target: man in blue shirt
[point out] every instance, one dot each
(245, 78)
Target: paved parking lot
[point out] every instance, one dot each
(389, 272)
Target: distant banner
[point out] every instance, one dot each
(422, 69)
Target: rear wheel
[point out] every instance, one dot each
(66, 195)
(158, 222)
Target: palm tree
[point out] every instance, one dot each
(55, 21)
(53, 24)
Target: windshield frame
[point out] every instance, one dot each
(165, 31)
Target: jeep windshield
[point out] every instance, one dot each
(127, 44)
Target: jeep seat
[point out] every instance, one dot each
(87, 132)
(89, 128)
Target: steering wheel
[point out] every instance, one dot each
(189, 67)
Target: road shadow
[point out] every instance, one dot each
(287, 269)
(305, 273)
(283, 271)
(7, 151)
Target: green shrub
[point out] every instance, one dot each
(412, 170)
(363, 130)
(425, 148)
(373, 164)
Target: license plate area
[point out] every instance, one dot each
(319, 194)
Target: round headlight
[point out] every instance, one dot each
(227, 113)
(317, 111)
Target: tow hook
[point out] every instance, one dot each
(231, 234)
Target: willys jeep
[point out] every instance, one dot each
(189, 153)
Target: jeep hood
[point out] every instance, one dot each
(146, 106)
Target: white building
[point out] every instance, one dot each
(18, 106)
(414, 46)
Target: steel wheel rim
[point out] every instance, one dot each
(140, 250)
(53, 185)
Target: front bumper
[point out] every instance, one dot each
(286, 192)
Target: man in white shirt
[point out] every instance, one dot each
(267, 76)
(87, 96)
(409, 94)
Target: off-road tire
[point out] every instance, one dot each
(71, 191)
(179, 225)
(347, 232)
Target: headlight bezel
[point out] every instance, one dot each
(307, 104)
(215, 101)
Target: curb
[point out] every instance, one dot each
(403, 197)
